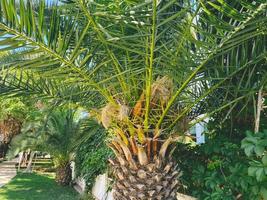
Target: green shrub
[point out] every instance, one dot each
(92, 157)
(255, 147)
(219, 169)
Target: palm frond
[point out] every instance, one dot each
(110, 52)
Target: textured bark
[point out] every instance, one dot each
(63, 174)
(3, 149)
(9, 128)
(149, 175)
(149, 182)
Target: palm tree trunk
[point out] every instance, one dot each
(63, 174)
(150, 183)
(144, 177)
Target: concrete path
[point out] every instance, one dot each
(7, 171)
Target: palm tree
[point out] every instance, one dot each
(61, 132)
(58, 135)
(143, 69)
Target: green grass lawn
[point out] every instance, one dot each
(36, 187)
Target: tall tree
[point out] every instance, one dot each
(145, 64)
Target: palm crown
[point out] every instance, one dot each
(87, 52)
(148, 65)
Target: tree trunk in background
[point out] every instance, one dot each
(21, 156)
(3, 149)
(258, 113)
(8, 129)
(63, 174)
(29, 166)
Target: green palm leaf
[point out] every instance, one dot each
(110, 52)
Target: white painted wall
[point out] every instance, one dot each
(198, 129)
(200, 137)
(100, 188)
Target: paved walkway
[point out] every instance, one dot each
(7, 171)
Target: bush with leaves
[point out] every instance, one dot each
(255, 147)
(92, 155)
(218, 169)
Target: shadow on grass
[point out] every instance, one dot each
(36, 187)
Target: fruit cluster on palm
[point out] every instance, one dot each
(145, 70)
(143, 165)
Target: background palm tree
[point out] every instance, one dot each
(58, 134)
(150, 66)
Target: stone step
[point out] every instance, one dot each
(7, 171)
